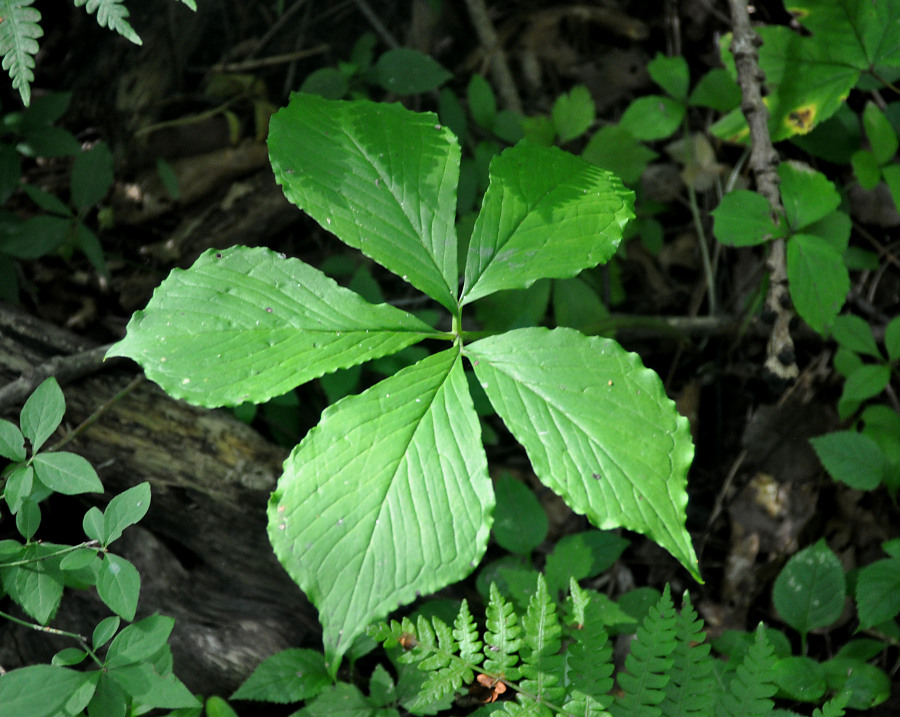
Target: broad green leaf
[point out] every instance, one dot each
(343, 700)
(854, 333)
(866, 684)
(405, 71)
(800, 678)
(809, 592)
(38, 691)
(818, 280)
(36, 236)
(546, 214)
(19, 483)
(616, 150)
(42, 413)
(717, 90)
(597, 426)
(743, 218)
(140, 642)
(387, 498)
(573, 113)
(670, 73)
(109, 700)
(249, 324)
(878, 592)
(851, 458)
(125, 509)
(520, 522)
(378, 176)
(66, 473)
(807, 195)
(12, 442)
(217, 707)
(119, 586)
(880, 134)
(582, 555)
(288, 676)
(867, 381)
(39, 590)
(28, 519)
(652, 117)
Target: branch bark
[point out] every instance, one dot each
(781, 363)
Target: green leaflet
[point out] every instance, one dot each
(387, 497)
(249, 324)
(380, 177)
(597, 426)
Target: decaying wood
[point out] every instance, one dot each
(202, 549)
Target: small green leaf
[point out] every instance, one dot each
(866, 169)
(119, 585)
(866, 684)
(582, 555)
(520, 523)
(125, 509)
(855, 334)
(78, 559)
(818, 278)
(800, 678)
(19, 484)
(36, 237)
(670, 73)
(104, 631)
(68, 656)
(288, 676)
(865, 382)
(851, 458)
(743, 218)
(652, 117)
(12, 442)
(341, 700)
(408, 452)
(546, 214)
(573, 113)
(217, 707)
(92, 523)
(891, 174)
(809, 592)
(92, 176)
(892, 338)
(39, 590)
(878, 592)
(249, 324)
(807, 195)
(880, 134)
(405, 71)
(110, 700)
(42, 413)
(38, 691)
(151, 689)
(482, 103)
(28, 519)
(716, 90)
(140, 642)
(382, 178)
(616, 150)
(66, 473)
(597, 426)
(326, 82)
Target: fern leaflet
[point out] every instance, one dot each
(648, 665)
(501, 640)
(752, 684)
(834, 707)
(691, 688)
(588, 661)
(19, 32)
(111, 14)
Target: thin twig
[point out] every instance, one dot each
(87, 422)
(781, 363)
(376, 24)
(487, 35)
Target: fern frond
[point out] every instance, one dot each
(19, 32)
(691, 688)
(752, 684)
(501, 639)
(111, 14)
(649, 662)
(542, 665)
(589, 659)
(192, 4)
(466, 634)
(834, 707)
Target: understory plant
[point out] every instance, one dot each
(389, 496)
(132, 666)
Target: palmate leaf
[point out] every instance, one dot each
(597, 426)
(387, 498)
(249, 324)
(382, 178)
(546, 214)
(19, 32)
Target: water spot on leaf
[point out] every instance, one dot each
(185, 381)
(268, 309)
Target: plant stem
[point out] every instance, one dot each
(82, 640)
